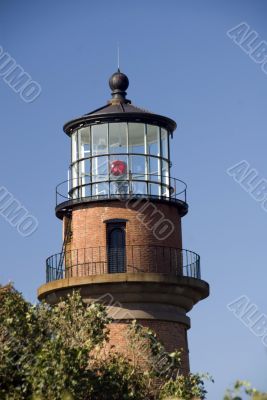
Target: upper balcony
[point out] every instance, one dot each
(103, 187)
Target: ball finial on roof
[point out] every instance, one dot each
(119, 83)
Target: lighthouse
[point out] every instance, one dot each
(121, 212)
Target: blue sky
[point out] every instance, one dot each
(182, 64)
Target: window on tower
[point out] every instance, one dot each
(116, 254)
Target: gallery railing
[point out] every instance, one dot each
(128, 259)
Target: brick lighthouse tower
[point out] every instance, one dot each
(121, 213)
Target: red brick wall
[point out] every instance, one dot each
(143, 228)
(172, 334)
(89, 229)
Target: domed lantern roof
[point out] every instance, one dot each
(119, 108)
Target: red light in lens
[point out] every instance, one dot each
(118, 168)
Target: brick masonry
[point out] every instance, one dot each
(89, 227)
(147, 224)
(172, 335)
(89, 231)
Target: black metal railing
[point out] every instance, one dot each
(131, 259)
(102, 187)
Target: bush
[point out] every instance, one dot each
(58, 353)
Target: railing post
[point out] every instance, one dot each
(140, 259)
(132, 261)
(99, 258)
(46, 271)
(77, 255)
(155, 260)
(170, 260)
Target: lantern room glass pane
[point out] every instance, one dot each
(84, 142)
(153, 140)
(100, 139)
(100, 175)
(87, 191)
(119, 187)
(99, 169)
(154, 189)
(85, 170)
(139, 188)
(164, 143)
(165, 179)
(74, 182)
(137, 166)
(74, 148)
(136, 138)
(100, 189)
(74, 173)
(154, 171)
(118, 137)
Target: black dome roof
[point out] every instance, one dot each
(119, 108)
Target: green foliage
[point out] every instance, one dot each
(58, 353)
(241, 388)
(259, 396)
(186, 387)
(17, 344)
(120, 380)
(44, 351)
(145, 348)
(165, 367)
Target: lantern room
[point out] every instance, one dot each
(120, 158)
(120, 150)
